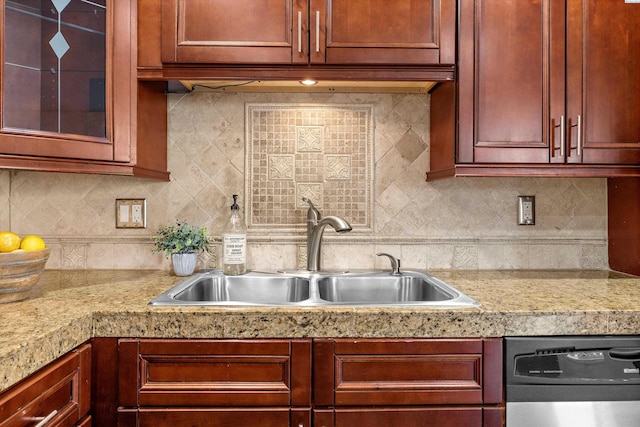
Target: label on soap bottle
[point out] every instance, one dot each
(234, 248)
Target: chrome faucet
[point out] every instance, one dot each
(395, 263)
(315, 228)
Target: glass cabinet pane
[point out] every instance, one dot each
(54, 66)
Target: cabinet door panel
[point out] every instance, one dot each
(53, 72)
(383, 32)
(512, 61)
(604, 83)
(215, 373)
(399, 372)
(233, 31)
(103, 121)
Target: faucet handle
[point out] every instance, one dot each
(304, 199)
(312, 214)
(395, 263)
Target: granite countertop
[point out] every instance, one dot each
(74, 306)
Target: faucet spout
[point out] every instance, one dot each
(338, 224)
(315, 230)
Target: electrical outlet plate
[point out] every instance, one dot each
(131, 213)
(526, 210)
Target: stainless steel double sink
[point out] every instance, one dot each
(304, 288)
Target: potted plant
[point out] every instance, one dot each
(183, 242)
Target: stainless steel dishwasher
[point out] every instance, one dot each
(572, 381)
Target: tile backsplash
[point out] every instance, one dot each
(321, 152)
(373, 174)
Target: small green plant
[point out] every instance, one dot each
(181, 238)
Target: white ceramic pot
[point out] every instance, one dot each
(184, 264)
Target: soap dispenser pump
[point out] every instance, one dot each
(234, 243)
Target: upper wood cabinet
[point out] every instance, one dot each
(416, 32)
(603, 83)
(550, 86)
(70, 101)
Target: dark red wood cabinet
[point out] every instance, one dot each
(130, 139)
(214, 382)
(308, 31)
(305, 382)
(266, 382)
(383, 382)
(59, 393)
(547, 87)
(623, 224)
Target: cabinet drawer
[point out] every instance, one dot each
(60, 391)
(398, 372)
(192, 373)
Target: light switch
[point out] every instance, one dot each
(131, 213)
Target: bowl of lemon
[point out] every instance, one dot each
(22, 261)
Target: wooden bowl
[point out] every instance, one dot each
(20, 272)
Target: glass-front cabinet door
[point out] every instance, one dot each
(54, 67)
(68, 90)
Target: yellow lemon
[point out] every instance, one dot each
(9, 241)
(33, 243)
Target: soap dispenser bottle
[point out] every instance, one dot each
(234, 243)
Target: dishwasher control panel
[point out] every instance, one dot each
(581, 360)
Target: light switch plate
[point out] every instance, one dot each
(526, 210)
(131, 213)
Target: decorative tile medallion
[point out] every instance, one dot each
(337, 167)
(281, 167)
(312, 192)
(321, 152)
(309, 138)
(74, 256)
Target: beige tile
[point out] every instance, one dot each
(451, 223)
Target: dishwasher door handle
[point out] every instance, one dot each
(627, 353)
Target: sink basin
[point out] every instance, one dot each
(252, 288)
(380, 289)
(304, 288)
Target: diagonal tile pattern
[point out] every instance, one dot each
(453, 223)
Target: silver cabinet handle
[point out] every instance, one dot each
(579, 135)
(562, 137)
(299, 31)
(45, 420)
(317, 31)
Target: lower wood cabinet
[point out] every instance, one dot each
(259, 383)
(57, 395)
(412, 382)
(309, 382)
